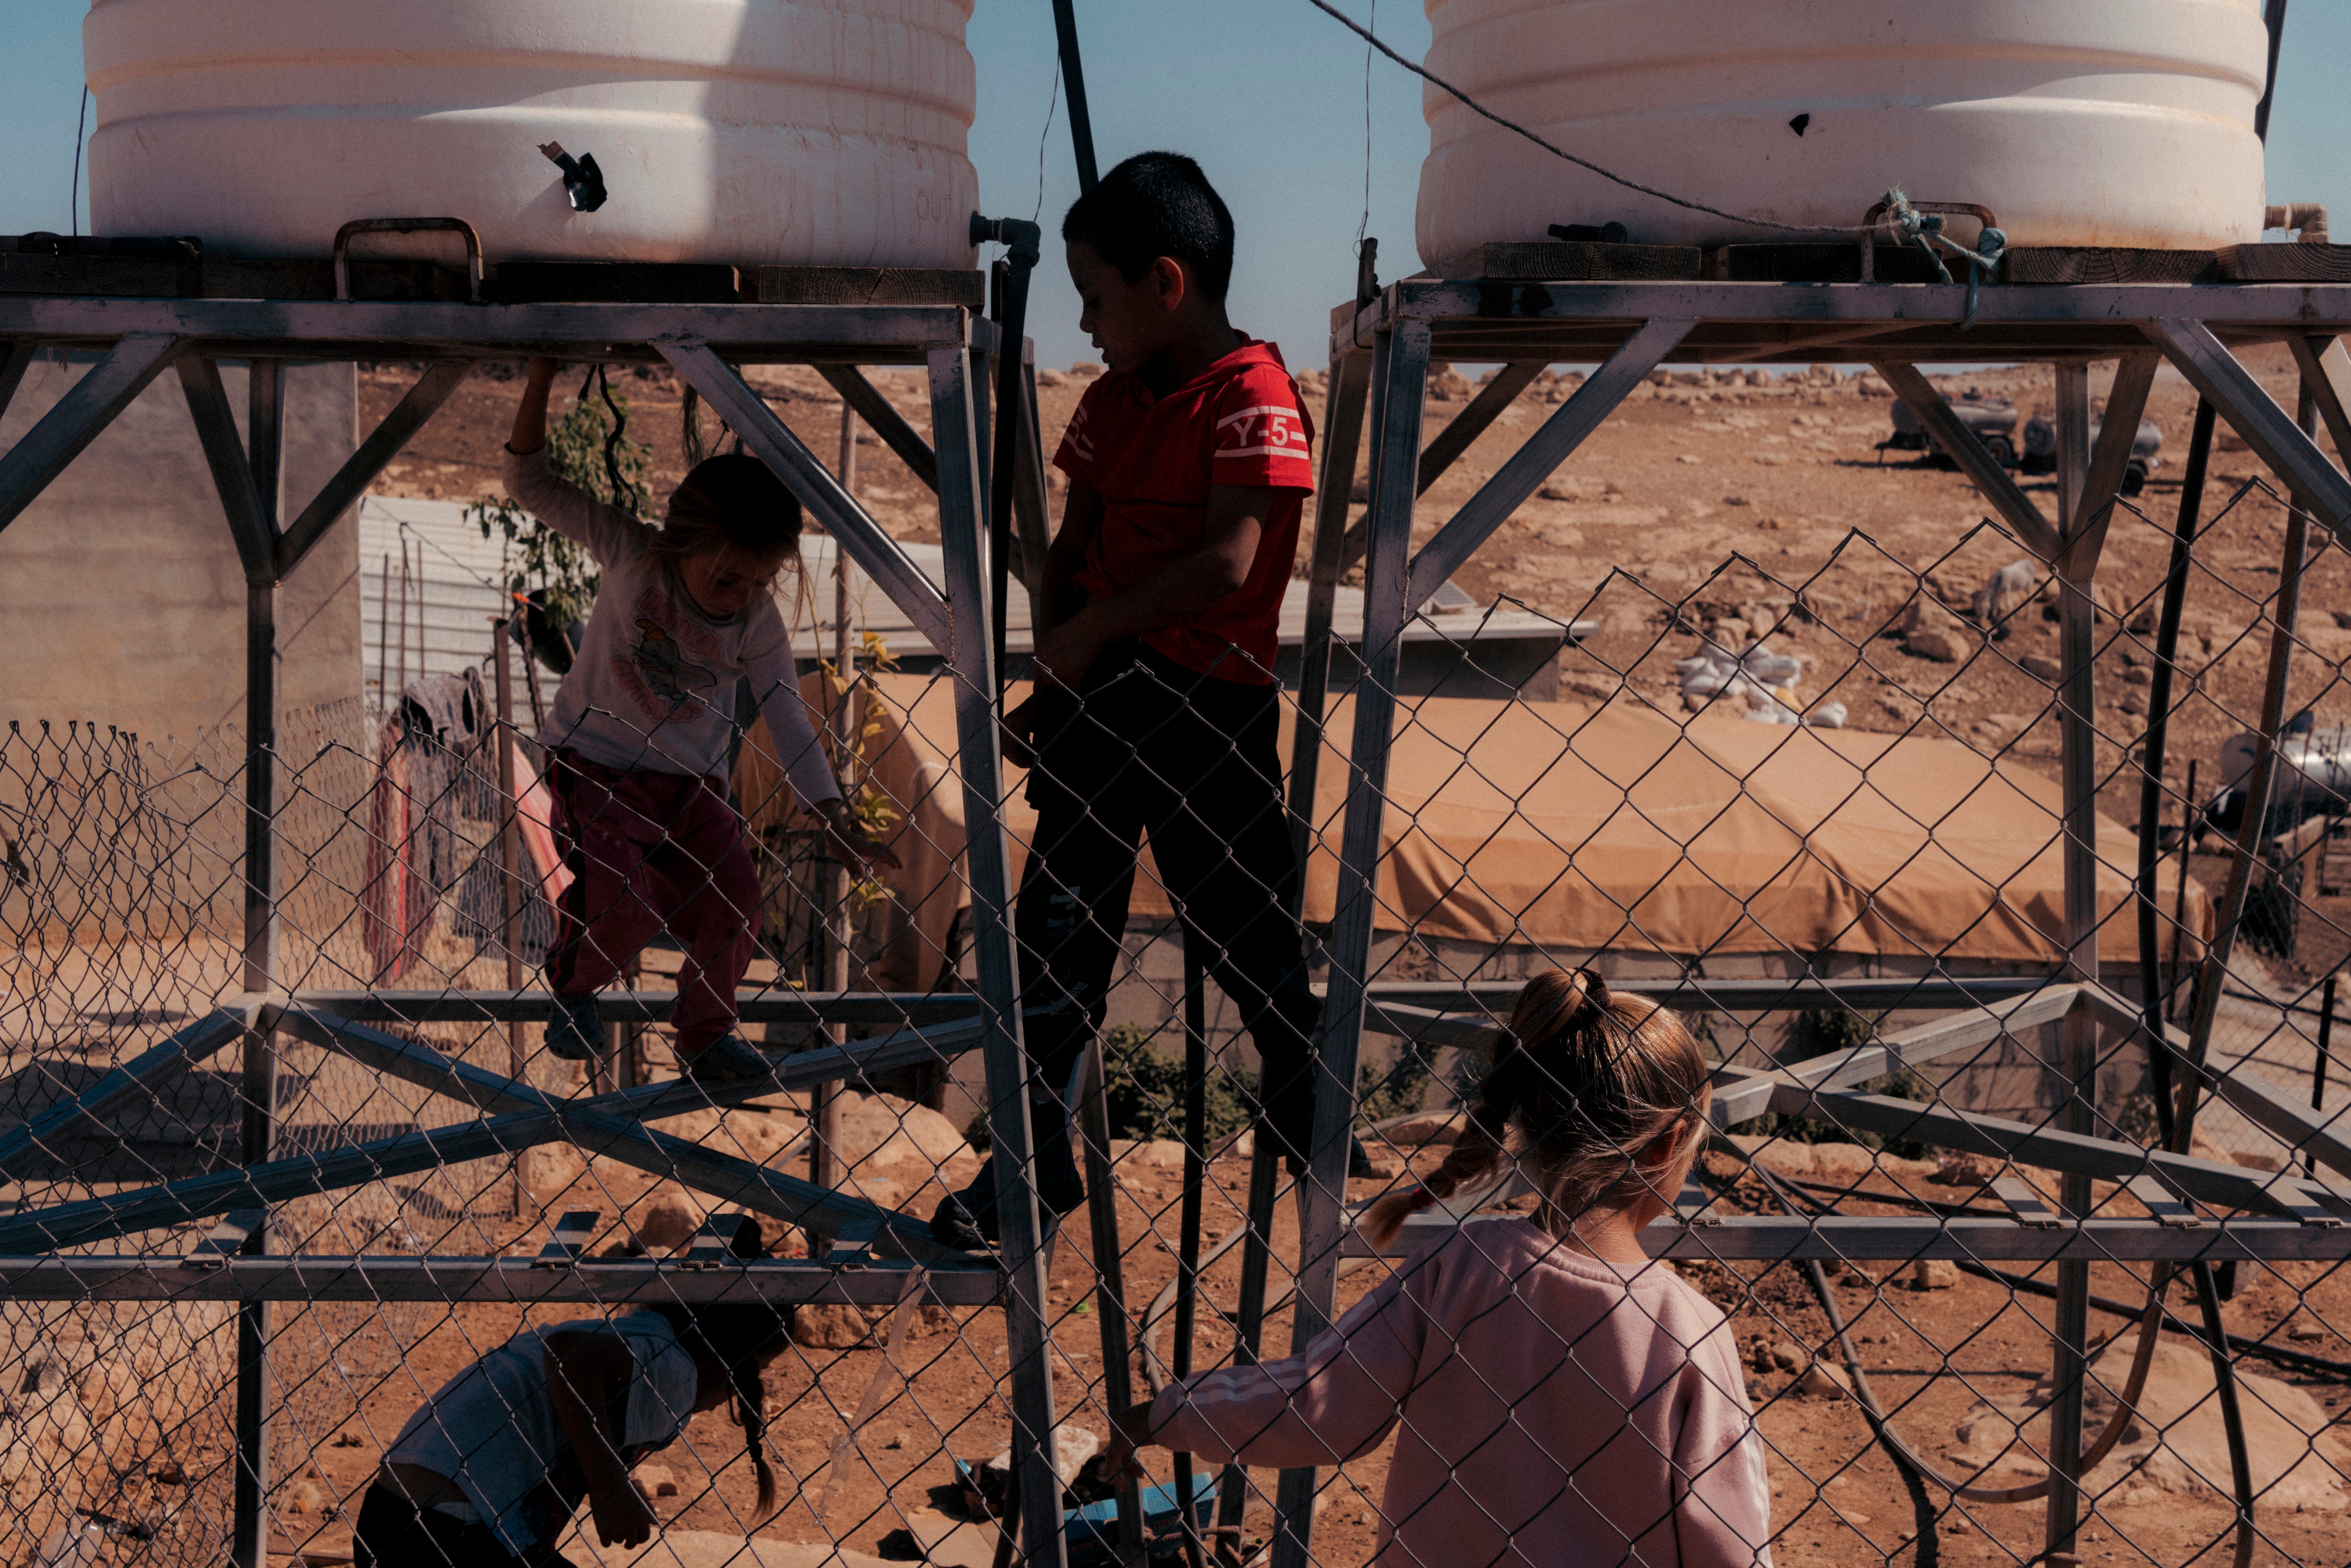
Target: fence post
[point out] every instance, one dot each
(962, 534)
(1400, 382)
(266, 390)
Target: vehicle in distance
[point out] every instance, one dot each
(2147, 452)
(1993, 419)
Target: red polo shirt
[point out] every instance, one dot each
(1152, 459)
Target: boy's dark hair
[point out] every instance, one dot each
(1156, 204)
(735, 500)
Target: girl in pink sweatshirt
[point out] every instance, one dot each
(1560, 1398)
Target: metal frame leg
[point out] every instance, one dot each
(249, 1542)
(1396, 460)
(963, 535)
(2076, 1076)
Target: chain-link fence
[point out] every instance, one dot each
(1736, 795)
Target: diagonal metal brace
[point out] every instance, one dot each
(879, 412)
(834, 509)
(198, 1043)
(729, 1179)
(1961, 445)
(60, 436)
(2268, 429)
(1538, 459)
(362, 468)
(249, 522)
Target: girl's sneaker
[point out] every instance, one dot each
(576, 1032)
(728, 1060)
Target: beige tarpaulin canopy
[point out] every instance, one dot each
(1581, 826)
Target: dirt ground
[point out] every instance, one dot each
(1931, 1356)
(1694, 504)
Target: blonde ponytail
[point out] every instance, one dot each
(1586, 1078)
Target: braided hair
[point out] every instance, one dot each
(1587, 1081)
(736, 1335)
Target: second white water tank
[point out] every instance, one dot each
(2079, 122)
(826, 133)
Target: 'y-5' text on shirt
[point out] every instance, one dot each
(1268, 430)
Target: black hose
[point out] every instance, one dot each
(1922, 1507)
(2300, 1360)
(2233, 1418)
(2150, 795)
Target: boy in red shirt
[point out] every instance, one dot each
(1156, 706)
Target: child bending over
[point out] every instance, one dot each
(638, 737)
(1563, 1400)
(488, 1473)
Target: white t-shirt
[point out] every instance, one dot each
(492, 1428)
(653, 689)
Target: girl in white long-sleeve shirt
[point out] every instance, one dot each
(1559, 1399)
(638, 739)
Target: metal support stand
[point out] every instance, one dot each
(964, 537)
(2076, 1076)
(1399, 382)
(266, 390)
(1187, 1238)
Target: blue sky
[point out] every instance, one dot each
(1268, 94)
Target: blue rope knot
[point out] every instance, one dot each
(1924, 230)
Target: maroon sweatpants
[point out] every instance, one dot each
(648, 850)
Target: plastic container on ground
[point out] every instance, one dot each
(809, 132)
(2078, 122)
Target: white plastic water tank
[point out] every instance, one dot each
(814, 133)
(2088, 122)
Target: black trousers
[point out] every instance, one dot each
(1152, 748)
(393, 1532)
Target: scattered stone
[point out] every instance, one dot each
(1822, 1381)
(1965, 1170)
(847, 1326)
(1788, 1356)
(2041, 666)
(1157, 1153)
(1562, 489)
(1942, 647)
(1934, 1275)
(2139, 675)
(667, 1218)
(2139, 1497)
(169, 1473)
(548, 1170)
(1737, 501)
(347, 1440)
(1690, 458)
(656, 1480)
(2306, 1329)
(1434, 1128)
(1954, 1525)
(2133, 704)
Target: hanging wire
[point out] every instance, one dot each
(73, 196)
(1052, 99)
(1435, 80)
